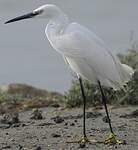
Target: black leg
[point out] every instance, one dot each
(84, 105)
(104, 102)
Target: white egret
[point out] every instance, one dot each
(85, 53)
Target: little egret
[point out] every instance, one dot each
(85, 53)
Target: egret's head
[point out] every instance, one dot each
(46, 11)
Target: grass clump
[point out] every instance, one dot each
(19, 97)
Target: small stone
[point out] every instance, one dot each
(46, 124)
(55, 105)
(134, 113)
(72, 124)
(124, 116)
(10, 119)
(36, 114)
(58, 119)
(4, 126)
(38, 148)
(23, 125)
(124, 142)
(93, 114)
(82, 145)
(15, 125)
(75, 120)
(105, 119)
(15, 118)
(66, 124)
(44, 137)
(115, 147)
(6, 147)
(20, 147)
(55, 135)
(12, 139)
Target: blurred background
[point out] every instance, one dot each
(26, 55)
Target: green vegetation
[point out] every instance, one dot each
(128, 96)
(20, 97)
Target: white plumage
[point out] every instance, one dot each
(86, 54)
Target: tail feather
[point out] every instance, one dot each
(127, 72)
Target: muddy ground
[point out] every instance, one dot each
(52, 133)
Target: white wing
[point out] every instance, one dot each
(88, 56)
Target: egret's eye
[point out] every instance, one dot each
(38, 12)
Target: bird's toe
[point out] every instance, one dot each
(113, 140)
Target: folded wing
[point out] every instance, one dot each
(79, 45)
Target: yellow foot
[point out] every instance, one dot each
(112, 140)
(83, 140)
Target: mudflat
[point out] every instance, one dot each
(59, 126)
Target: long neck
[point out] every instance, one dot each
(56, 26)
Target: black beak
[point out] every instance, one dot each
(27, 16)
